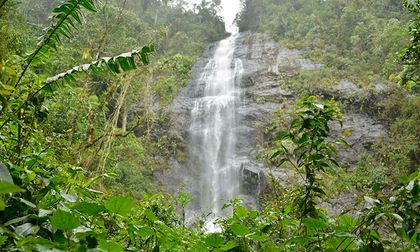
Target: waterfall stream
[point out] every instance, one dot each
(212, 147)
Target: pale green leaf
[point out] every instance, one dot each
(239, 229)
(7, 187)
(110, 246)
(229, 245)
(119, 205)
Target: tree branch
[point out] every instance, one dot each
(125, 134)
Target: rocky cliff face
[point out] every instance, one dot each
(265, 63)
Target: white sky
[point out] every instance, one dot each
(229, 10)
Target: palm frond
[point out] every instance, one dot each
(117, 64)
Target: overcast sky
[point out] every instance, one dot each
(229, 10)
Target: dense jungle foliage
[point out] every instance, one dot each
(115, 105)
(83, 113)
(373, 44)
(357, 40)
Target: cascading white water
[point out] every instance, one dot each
(212, 130)
(212, 147)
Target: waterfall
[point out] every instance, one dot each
(212, 147)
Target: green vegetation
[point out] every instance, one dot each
(79, 148)
(410, 76)
(88, 118)
(357, 40)
(368, 44)
(69, 215)
(304, 146)
(69, 139)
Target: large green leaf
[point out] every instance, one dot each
(314, 224)
(7, 187)
(119, 205)
(2, 205)
(229, 245)
(239, 230)
(241, 211)
(259, 237)
(214, 240)
(110, 246)
(64, 220)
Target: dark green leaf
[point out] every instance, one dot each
(90, 208)
(274, 154)
(281, 161)
(122, 62)
(48, 89)
(318, 190)
(88, 4)
(144, 58)
(64, 220)
(282, 135)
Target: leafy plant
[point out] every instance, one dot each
(306, 148)
(410, 76)
(65, 16)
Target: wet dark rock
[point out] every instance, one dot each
(343, 203)
(253, 180)
(347, 88)
(364, 131)
(175, 178)
(248, 201)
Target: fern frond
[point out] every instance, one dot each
(117, 64)
(65, 17)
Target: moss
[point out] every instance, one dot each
(260, 100)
